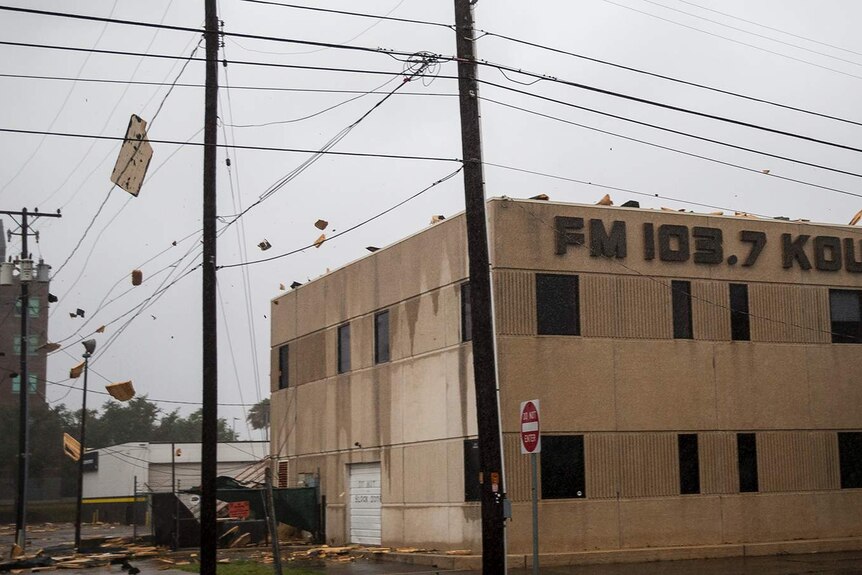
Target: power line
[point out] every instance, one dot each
(62, 107)
(224, 61)
(425, 62)
(173, 401)
(668, 78)
(669, 130)
(359, 14)
(348, 41)
(230, 88)
(670, 149)
(741, 43)
(666, 106)
(350, 229)
(807, 39)
(797, 46)
(105, 201)
(199, 30)
(309, 116)
(238, 146)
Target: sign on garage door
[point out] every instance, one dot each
(364, 503)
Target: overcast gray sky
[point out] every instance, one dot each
(802, 54)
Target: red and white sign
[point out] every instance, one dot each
(238, 509)
(531, 441)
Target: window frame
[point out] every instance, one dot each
(382, 354)
(343, 348)
(552, 308)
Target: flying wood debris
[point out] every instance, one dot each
(137, 277)
(264, 245)
(321, 224)
(134, 159)
(122, 391)
(319, 241)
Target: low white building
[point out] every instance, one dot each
(114, 475)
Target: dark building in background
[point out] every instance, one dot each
(10, 336)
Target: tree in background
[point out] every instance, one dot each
(138, 420)
(258, 415)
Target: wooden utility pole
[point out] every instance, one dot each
(209, 438)
(484, 359)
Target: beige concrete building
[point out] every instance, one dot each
(699, 378)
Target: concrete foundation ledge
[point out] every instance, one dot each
(474, 562)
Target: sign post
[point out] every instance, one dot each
(531, 443)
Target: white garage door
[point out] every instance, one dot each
(365, 503)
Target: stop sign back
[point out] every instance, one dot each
(531, 440)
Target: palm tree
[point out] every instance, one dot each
(258, 415)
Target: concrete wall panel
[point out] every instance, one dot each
(763, 386)
(649, 465)
(515, 301)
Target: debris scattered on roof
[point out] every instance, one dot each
(605, 201)
(631, 204)
(321, 224)
(856, 218)
(295, 285)
(281, 287)
(438, 218)
(372, 249)
(543, 197)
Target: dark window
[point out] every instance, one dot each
(472, 488)
(381, 337)
(689, 468)
(845, 309)
(344, 348)
(850, 459)
(740, 325)
(466, 310)
(746, 453)
(681, 292)
(283, 379)
(557, 310)
(562, 460)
